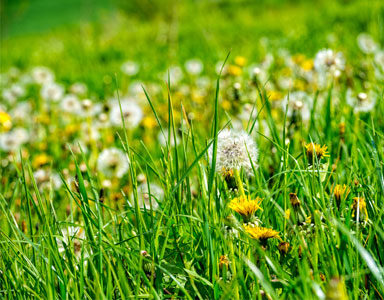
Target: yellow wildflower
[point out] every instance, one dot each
(40, 160)
(149, 122)
(226, 105)
(240, 61)
(317, 150)
(359, 202)
(5, 121)
(224, 261)
(341, 191)
(274, 96)
(234, 70)
(245, 206)
(260, 233)
(307, 65)
(287, 214)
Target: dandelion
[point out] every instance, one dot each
(112, 162)
(52, 92)
(329, 62)
(361, 102)
(12, 140)
(315, 150)
(224, 261)
(260, 233)
(130, 68)
(42, 75)
(130, 110)
(299, 103)
(245, 206)
(294, 199)
(5, 121)
(340, 192)
(78, 88)
(235, 150)
(194, 66)
(46, 179)
(360, 205)
(70, 104)
(366, 43)
(336, 290)
(149, 199)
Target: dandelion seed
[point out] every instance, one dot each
(361, 102)
(329, 62)
(112, 162)
(235, 150)
(131, 111)
(130, 68)
(194, 66)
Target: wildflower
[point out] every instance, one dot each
(130, 68)
(149, 199)
(46, 179)
(245, 206)
(313, 149)
(329, 62)
(260, 233)
(283, 247)
(336, 290)
(78, 88)
(361, 102)
(113, 163)
(299, 103)
(5, 121)
(194, 66)
(294, 199)
(12, 140)
(360, 205)
(40, 160)
(131, 111)
(287, 214)
(366, 43)
(235, 150)
(340, 191)
(52, 91)
(224, 261)
(70, 104)
(42, 75)
(240, 61)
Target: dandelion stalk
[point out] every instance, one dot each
(239, 182)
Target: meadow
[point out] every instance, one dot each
(221, 149)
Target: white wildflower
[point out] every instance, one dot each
(52, 92)
(329, 62)
(366, 43)
(194, 66)
(112, 162)
(131, 111)
(130, 68)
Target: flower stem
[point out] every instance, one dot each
(239, 182)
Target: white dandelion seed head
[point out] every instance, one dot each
(112, 162)
(361, 102)
(132, 113)
(78, 88)
(147, 199)
(42, 75)
(235, 150)
(194, 66)
(299, 103)
(52, 92)
(70, 104)
(130, 68)
(366, 43)
(329, 62)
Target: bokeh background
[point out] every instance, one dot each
(87, 40)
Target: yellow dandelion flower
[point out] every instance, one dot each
(40, 160)
(226, 105)
(234, 70)
(341, 191)
(359, 202)
(274, 96)
(287, 214)
(317, 150)
(5, 121)
(224, 261)
(240, 61)
(283, 247)
(149, 122)
(307, 64)
(261, 233)
(246, 207)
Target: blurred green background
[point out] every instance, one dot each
(87, 39)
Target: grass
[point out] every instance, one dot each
(188, 243)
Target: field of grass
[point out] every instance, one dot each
(221, 149)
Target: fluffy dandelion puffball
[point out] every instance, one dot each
(235, 150)
(112, 162)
